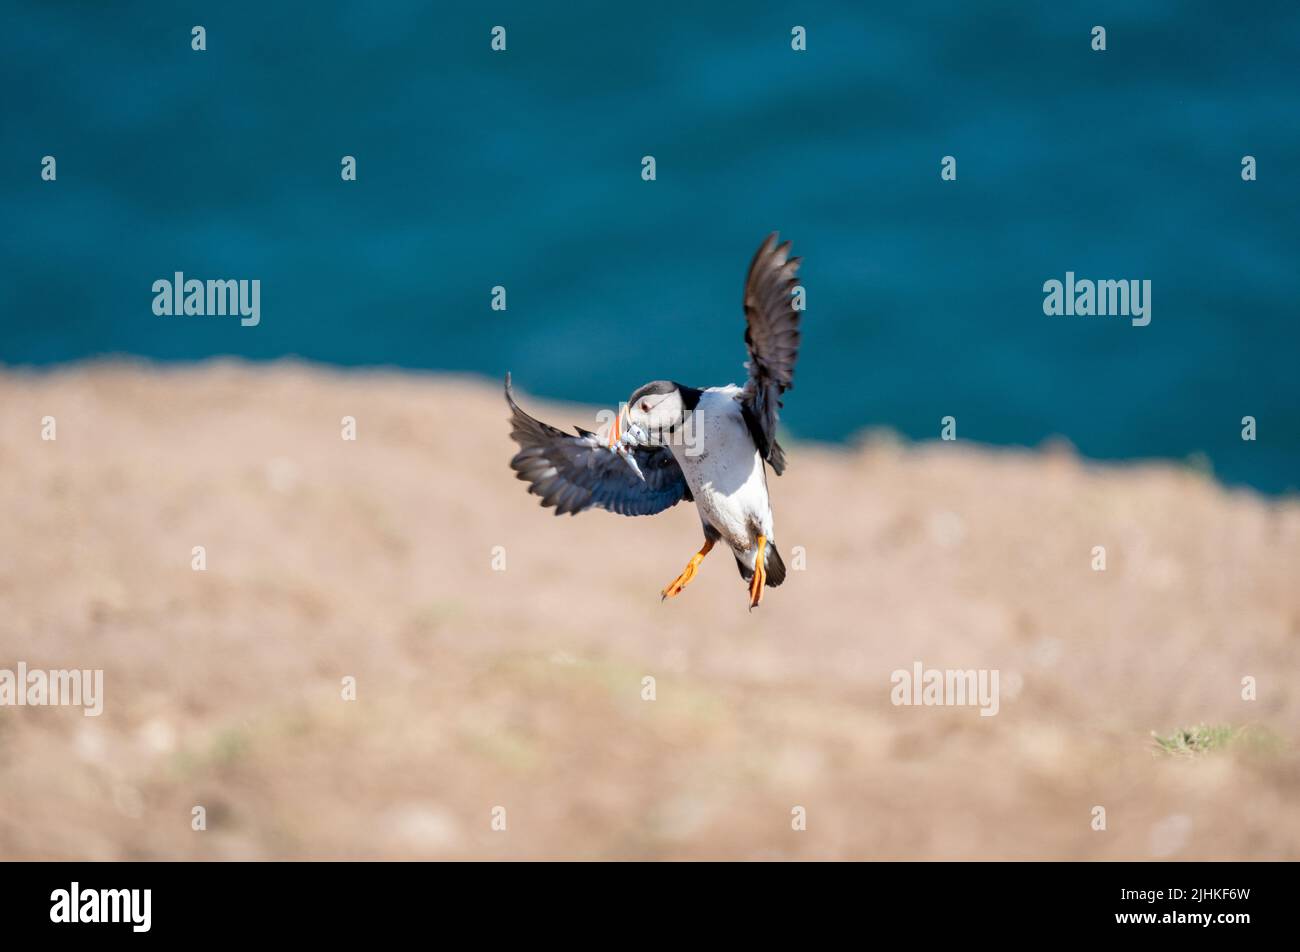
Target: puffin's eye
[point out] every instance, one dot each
(645, 407)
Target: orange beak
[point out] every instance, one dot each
(616, 430)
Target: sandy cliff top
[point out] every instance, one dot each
(522, 688)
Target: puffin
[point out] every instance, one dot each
(671, 442)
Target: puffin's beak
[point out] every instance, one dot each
(616, 431)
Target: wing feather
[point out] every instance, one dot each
(772, 336)
(576, 473)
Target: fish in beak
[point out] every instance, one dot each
(618, 442)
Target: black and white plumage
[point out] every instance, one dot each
(674, 442)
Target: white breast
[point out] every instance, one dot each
(724, 470)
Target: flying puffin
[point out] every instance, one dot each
(673, 442)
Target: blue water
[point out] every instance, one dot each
(523, 169)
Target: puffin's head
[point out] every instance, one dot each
(654, 413)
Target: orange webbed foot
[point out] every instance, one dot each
(675, 587)
(760, 574)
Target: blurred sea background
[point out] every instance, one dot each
(522, 169)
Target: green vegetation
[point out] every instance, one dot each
(1205, 738)
(1190, 741)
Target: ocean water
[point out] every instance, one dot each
(523, 169)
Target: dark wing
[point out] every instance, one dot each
(772, 335)
(575, 473)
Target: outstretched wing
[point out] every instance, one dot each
(575, 473)
(772, 336)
